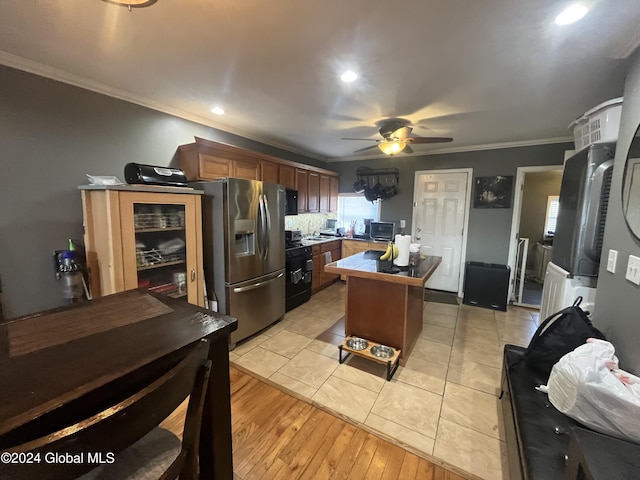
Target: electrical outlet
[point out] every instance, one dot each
(612, 261)
(403, 223)
(633, 270)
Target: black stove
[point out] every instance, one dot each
(298, 270)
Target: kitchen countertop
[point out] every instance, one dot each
(368, 265)
(315, 240)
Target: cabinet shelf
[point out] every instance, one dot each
(159, 229)
(160, 265)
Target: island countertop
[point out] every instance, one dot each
(368, 265)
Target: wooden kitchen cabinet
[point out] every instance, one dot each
(207, 160)
(324, 193)
(351, 247)
(302, 185)
(313, 194)
(278, 173)
(335, 248)
(248, 168)
(144, 237)
(318, 266)
(321, 279)
(270, 171)
(287, 176)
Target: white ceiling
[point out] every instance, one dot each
(485, 72)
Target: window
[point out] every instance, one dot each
(553, 204)
(353, 207)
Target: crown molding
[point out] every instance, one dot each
(469, 148)
(20, 63)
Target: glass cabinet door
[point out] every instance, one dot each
(159, 245)
(161, 250)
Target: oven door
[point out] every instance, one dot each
(298, 281)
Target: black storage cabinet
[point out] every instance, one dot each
(486, 285)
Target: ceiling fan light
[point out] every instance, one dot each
(391, 147)
(132, 3)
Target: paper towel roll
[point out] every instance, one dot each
(403, 242)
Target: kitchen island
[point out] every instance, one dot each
(381, 306)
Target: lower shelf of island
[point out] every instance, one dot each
(391, 362)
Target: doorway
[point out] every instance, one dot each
(440, 218)
(536, 193)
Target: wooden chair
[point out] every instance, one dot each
(124, 441)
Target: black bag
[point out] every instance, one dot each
(558, 335)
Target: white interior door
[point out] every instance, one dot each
(440, 212)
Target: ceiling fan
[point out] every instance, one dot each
(395, 138)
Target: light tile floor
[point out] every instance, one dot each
(443, 403)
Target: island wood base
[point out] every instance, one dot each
(384, 312)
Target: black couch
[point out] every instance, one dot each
(539, 437)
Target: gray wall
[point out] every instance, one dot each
(489, 229)
(51, 135)
(617, 299)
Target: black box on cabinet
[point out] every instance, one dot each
(486, 285)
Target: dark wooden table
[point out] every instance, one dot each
(53, 358)
(384, 307)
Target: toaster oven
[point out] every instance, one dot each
(382, 231)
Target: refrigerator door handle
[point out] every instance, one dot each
(268, 225)
(260, 235)
(257, 285)
(596, 210)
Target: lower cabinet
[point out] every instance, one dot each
(321, 254)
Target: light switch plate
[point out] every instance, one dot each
(612, 261)
(633, 270)
(403, 223)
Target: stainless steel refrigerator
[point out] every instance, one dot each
(244, 260)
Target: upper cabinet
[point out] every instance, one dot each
(207, 160)
(313, 202)
(278, 173)
(302, 185)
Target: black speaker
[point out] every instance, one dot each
(486, 285)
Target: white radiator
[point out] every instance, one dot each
(560, 292)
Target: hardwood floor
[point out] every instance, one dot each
(276, 436)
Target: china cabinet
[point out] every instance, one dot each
(144, 237)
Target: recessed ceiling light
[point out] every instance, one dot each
(218, 110)
(349, 76)
(571, 14)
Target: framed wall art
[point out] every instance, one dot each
(493, 192)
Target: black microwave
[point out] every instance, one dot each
(292, 202)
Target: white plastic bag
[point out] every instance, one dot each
(587, 385)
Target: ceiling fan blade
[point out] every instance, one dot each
(428, 139)
(365, 148)
(402, 132)
(367, 139)
(407, 149)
